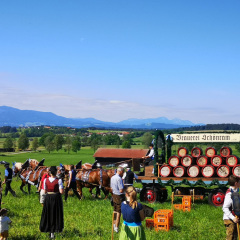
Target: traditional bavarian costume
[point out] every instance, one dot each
(229, 215)
(72, 185)
(128, 177)
(8, 180)
(52, 214)
(132, 227)
(150, 156)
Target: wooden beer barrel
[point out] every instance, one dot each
(179, 171)
(173, 161)
(182, 151)
(236, 171)
(216, 160)
(208, 171)
(193, 171)
(202, 161)
(196, 152)
(223, 171)
(187, 161)
(232, 160)
(165, 171)
(210, 152)
(225, 151)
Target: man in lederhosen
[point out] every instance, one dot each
(8, 180)
(117, 195)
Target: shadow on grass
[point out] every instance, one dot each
(24, 237)
(176, 228)
(76, 233)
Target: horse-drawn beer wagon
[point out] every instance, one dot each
(190, 173)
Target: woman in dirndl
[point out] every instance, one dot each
(133, 215)
(52, 213)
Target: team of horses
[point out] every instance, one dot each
(32, 171)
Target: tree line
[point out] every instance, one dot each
(51, 141)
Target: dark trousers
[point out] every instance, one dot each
(72, 186)
(9, 188)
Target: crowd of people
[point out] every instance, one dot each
(124, 197)
(125, 203)
(50, 189)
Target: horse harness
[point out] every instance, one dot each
(28, 175)
(85, 177)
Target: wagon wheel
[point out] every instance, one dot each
(216, 197)
(149, 194)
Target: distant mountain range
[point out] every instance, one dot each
(15, 117)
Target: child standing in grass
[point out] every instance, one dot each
(133, 215)
(229, 217)
(4, 224)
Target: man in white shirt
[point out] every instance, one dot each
(229, 217)
(118, 195)
(150, 155)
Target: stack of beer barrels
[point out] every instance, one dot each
(197, 164)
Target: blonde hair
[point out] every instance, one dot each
(132, 194)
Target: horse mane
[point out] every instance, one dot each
(87, 166)
(33, 161)
(18, 165)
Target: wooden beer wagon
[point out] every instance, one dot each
(186, 173)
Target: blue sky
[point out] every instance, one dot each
(114, 60)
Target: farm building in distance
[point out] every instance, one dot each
(107, 156)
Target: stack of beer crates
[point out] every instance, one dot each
(163, 220)
(186, 204)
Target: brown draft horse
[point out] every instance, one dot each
(63, 172)
(93, 178)
(18, 166)
(31, 177)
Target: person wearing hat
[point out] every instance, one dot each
(128, 177)
(150, 155)
(5, 221)
(52, 213)
(8, 180)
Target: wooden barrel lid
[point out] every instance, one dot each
(202, 161)
(179, 171)
(186, 161)
(182, 151)
(236, 171)
(216, 160)
(196, 152)
(225, 151)
(232, 160)
(165, 170)
(173, 161)
(193, 171)
(223, 171)
(208, 171)
(210, 152)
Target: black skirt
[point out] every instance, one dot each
(52, 214)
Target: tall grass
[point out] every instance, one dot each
(91, 218)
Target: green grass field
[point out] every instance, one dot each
(91, 218)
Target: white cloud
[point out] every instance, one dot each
(110, 110)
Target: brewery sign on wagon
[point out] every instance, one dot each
(206, 137)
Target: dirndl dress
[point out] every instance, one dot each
(52, 213)
(132, 232)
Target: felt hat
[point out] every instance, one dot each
(6, 164)
(3, 211)
(53, 169)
